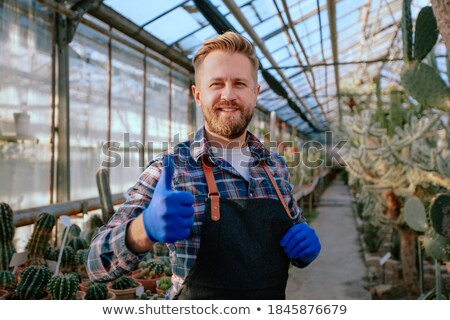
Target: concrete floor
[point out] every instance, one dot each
(338, 272)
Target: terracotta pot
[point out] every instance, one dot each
(84, 285)
(159, 291)
(4, 294)
(126, 294)
(80, 295)
(149, 284)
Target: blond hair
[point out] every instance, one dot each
(229, 42)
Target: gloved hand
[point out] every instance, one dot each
(301, 242)
(169, 216)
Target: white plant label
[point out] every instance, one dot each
(139, 291)
(385, 258)
(66, 221)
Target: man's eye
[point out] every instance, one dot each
(240, 84)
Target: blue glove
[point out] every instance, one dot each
(301, 242)
(169, 216)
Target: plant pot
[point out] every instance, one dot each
(149, 284)
(126, 294)
(111, 296)
(159, 291)
(80, 295)
(84, 285)
(22, 124)
(5, 294)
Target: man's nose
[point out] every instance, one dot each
(228, 93)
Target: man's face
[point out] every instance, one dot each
(226, 91)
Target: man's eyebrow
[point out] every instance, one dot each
(234, 79)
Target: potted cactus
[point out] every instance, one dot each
(7, 229)
(163, 284)
(98, 291)
(149, 273)
(63, 287)
(125, 288)
(39, 241)
(33, 283)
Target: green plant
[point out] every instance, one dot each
(77, 243)
(371, 238)
(8, 280)
(124, 282)
(164, 283)
(38, 243)
(420, 80)
(74, 231)
(96, 291)
(67, 258)
(63, 287)
(7, 230)
(33, 282)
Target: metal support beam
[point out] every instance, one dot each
(334, 47)
(63, 128)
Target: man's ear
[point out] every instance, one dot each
(257, 89)
(196, 94)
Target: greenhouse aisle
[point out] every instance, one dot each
(339, 270)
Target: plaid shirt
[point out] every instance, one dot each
(108, 255)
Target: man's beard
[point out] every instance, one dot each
(230, 127)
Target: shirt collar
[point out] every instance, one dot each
(200, 146)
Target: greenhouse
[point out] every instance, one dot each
(338, 116)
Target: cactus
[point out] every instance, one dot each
(33, 282)
(406, 26)
(6, 223)
(124, 282)
(67, 259)
(436, 246)
(415, 215)
(63, 287)
(38, 243)
(74, 231)
(7, 248)
(426, 34)
(440, 215)
(164, 283)
(8, 280)
(96, 291)
(90, 235)
(379, 115)
(104, 191)
(425, 85)
(95, 222)
(77, 243)
(395, 112)
(80, 257)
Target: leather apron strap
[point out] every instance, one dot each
(214, 195)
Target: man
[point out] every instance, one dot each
(223, 203)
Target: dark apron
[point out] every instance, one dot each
(240, 256)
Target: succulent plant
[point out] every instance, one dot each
(74, 231)
(440, 214)
(39, 241)
(124, 282)
(7, 230)
(8, 280)
(164, 283)
(77, 243)
(95, 222)
(96, 291)
(63, 287)
(33, 282)
(415, 215)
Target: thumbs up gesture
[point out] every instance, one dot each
(169, 216)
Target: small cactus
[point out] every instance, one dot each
(415, 215)
(124, 282)
(38, 243)
(7, 230)
(8, 280)
(33, 282)
(440, 214)
(96, 291)
(77, 243)
(63, 287)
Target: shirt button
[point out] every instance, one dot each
(251, 195)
